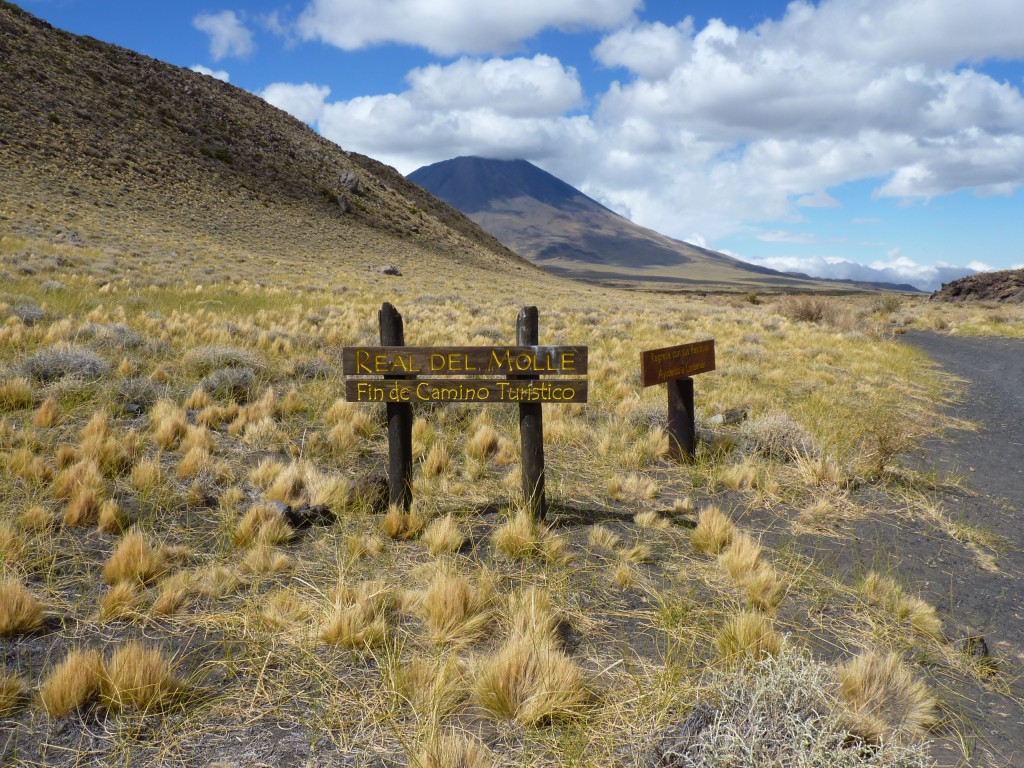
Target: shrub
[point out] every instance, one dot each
(808, 309)
(230, 383)
(779, 711)
(135, 396)
(54, 363)
(777, 436)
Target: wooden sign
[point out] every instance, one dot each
(675, 366)
(466, 391)
(406, 375)
(478, 361)
(660, 365)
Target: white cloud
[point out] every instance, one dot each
(781, 236)
(535, 87)
(896, 269)
(452, 27)
(218, 74)
(228, 35)
(502, 108)
(305, 101)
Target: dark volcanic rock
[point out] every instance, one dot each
(1007, 285)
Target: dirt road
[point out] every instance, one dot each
(991, 461)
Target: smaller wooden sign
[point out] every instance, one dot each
(466, 391)
(464, 361)
(660, 365)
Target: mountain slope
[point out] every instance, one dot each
(105, 145)
(560, 228)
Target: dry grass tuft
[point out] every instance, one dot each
(530, 614)
(453, 609)
(124, 600)
(442, 535)
(748, 636)
(764, 589)
(13, 690)
(532, 683)
(12, 544)
(437, 461)
(169, 423)
(47, 414)
(434, 688)
(482, 444)
(714, 531)
(173, 593)
(263, 558)
(358, 618)
(15, 394)
(36, 518)
(363, 545)
(137, 676)
(603, 537)
(742, 558)
(262, 524)
(885, 700)
(651, 519)
(134, 560)
(285, 609)
(20, 611)
(72, 683)
(111, 519)
(401, 524)
(453, 750)
(521, 536)
(885, 593)
(146, 475)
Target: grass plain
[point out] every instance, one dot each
(158, 604)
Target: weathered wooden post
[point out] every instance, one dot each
(392, 334)
(531, 425)
(682, 429)
(675, 366)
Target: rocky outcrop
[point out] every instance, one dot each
(1007, 286)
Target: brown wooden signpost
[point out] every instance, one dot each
(425, 375)
(675, 366)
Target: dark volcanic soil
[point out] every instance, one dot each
(992, 461)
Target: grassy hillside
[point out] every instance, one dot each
(106, 147)
(197, 567)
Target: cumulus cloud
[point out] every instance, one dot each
(502, 108)
(217, 74)
(306, 101)
(893, 269)
(453, 27)
(228, 34)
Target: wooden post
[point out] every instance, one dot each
(682, 431)
(392, 334)
(531, 425)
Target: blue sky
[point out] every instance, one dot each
(874, 139)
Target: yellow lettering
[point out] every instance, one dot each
(568, 361)
(498, 361)
(380, 363)
(436, 361)
(362, 356)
